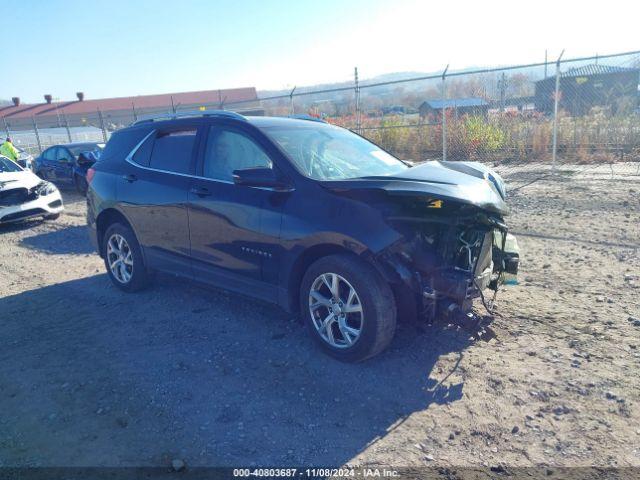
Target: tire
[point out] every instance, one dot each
(53, 216)
(81, 185)
(138, 275)
(376, 321)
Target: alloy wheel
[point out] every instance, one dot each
(120, 258)
(336, 310)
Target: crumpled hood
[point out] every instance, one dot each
(465, 182)
(23, 179)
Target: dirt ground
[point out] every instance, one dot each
(91, 376)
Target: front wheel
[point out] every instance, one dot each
(348, 307)
(123, 259)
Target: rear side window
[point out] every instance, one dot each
(122, 142)
(143, 154)
(172, 150)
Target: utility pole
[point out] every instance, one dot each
(545, 63)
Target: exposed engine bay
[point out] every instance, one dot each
(450, 261)
(452, 249)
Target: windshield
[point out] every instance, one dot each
(323, 152)
(7, 165)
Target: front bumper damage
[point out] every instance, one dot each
(447, 261)
(449, 243)
(18, 204)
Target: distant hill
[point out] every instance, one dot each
(397, 91)
(385, 77)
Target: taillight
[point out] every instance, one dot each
(90, 173)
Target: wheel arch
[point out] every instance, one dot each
(302, 263)
(106, 218)
(315, 253)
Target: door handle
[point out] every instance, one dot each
(201, 191)
(130, 178)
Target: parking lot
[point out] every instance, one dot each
(91, 376)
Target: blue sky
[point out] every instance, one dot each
(120, 48)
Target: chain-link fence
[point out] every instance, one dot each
(589, 113)
(499, 115)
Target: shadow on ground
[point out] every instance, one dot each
(69, 240)
(92, 376)
(19, 226)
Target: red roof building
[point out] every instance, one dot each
(123, 110)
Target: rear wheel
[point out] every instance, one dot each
(123, 258)
(348, 307)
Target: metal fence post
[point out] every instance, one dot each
(556, 99)
(6, 127)
(135, 115)
(221, 100)
(66, 125)
(35, 129)
(357, 91)
(104, 130)
(444, 114)
(291, 107)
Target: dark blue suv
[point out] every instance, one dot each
(303, 214)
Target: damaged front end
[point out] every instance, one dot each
(451, 240)
(447, 259)
(454, 242)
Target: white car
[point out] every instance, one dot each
(25, 195)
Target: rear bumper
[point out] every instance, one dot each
(40, 207)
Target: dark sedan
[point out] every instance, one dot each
(68, 163)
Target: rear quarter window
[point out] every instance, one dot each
(122, 142)
(172, 150)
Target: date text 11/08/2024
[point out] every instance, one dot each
(316, 472)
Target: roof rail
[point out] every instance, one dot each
(190, 113)
(304, 116)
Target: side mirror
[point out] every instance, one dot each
(261, 177)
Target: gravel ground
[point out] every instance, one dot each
(91, 376)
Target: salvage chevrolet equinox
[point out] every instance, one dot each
(300, 213)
